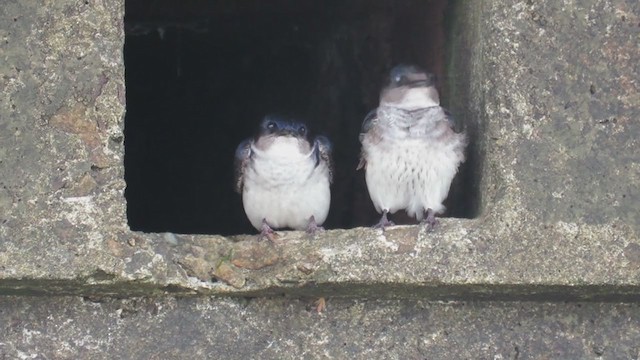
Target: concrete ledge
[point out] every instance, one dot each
(461, 260)
(551, 100)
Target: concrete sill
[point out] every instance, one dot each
(461, 260)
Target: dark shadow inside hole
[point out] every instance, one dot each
(200, 75)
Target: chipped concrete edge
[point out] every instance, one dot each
(463, 260)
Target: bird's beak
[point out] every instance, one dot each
(420, 83)
(287, 132)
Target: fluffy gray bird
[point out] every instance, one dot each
(284, 178)
(410, 151)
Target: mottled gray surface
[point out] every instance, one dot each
(61, 143)
(553, 104)
(567, 99)
(205, 328)
(550, 93)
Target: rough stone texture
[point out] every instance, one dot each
(565, 96)
(550, 94)
(61, 137)
(553, 105)
(169, 328)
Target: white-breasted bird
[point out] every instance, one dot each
(284, 178)
(410, 151)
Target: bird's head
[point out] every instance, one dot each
(410, 88)
(277, 126)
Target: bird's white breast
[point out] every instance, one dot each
(412, 171)
(285, 187)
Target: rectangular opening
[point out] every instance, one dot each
(200, 75)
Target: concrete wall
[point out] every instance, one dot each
(549, 93)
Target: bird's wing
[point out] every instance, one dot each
(243, 154)
(323, 153)
(368, 122)
(457, 135)
(452, 122)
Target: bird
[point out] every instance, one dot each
(410, 150)
(284, 177)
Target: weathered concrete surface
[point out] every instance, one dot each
(553, 102)
(169, 328)
(61, 143)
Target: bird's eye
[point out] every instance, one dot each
(272, 126)
(302, 130)
(400, 79)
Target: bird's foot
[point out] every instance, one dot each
(384, 222)
(313, 228)
(430, 221)
(267, 232)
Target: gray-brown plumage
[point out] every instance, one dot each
(410, 151)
